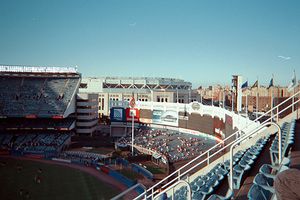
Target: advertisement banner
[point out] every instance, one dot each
(168, 117)
(132, 111)
(117, 114)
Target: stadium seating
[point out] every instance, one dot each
(287, 140)
(34, 143)
(40, 123)
(81, 157)
(228, 196)
(256, 192)
(174, 145)
(22, 96)
(262, 187)
(204, 186)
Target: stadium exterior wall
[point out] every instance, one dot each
(86, 113)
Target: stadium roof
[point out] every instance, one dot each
(37, 69)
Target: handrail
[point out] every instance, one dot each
(126, 191)
(244, 137)
(207, 152)
(172, 186)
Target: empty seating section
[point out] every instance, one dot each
(247, 161)
(287, 140)
(262, 187)
(34, 143)
(22, 96)
(204, 186)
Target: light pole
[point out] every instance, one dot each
(132, 112)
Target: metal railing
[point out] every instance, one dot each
(191, 165)
(246, 136)
(189, 193)
(128, 190)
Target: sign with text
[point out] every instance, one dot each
(132, 112)
(168, 117)
(117, 114)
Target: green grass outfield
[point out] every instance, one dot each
(57, 182)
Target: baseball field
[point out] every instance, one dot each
(26, 179)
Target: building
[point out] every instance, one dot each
(113, 90)
(87, 117)
(264, 96)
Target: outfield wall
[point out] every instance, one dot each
(192, 118)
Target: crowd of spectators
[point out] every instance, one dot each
(39, 142)
(36, 95)
(82, 157)
(40, 123)
(174, 145)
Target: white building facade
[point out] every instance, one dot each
(112, 90)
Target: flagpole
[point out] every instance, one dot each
(232, 101)
(257, 99)
(293, 108)
(132, 105)
(293, 99)
(212, 96)
(272, 97)
(132, 131)
(247, 104)
(271, 103)
(223, 97)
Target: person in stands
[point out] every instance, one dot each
(287, 185)
(163, 196)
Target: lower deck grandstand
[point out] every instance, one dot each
(38, 143)
(174, 145)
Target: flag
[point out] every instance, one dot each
(255, 84)
(245, 85)
(271, 84)
(132, 101)
(293, 82)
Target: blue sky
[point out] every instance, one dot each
(204, 42)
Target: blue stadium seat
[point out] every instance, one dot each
(228, 196)
(264, 182)
(198, 196)
(258, 193)
(269, 170)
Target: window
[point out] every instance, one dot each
(102, 103)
